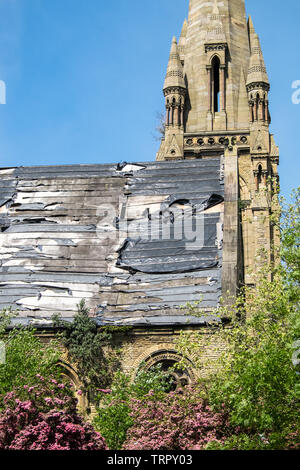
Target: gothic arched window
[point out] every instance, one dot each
(256, 107)
(259, 175)
(263, 111)
(165, 361)
(216, 84)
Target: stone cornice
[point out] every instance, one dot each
(256, 85)
(210, 47)
(174, 89)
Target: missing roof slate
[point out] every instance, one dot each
(194, 249)
(69, 256)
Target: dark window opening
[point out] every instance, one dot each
(263, 110)
(216, 84)
(259, 176)
(256, 107)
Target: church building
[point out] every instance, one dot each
(139, 241)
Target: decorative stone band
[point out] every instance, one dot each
(257, 51)
(215, 17)
(258, 85)
(210, 141)
(175, 73)
(174, 90)
(257, 68)
(173, 56)
(215, 47)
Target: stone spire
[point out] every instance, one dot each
(175, 92)
(257, 71)
(174, 77)
(216, 31)
(182, 41)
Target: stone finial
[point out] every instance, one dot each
(174, 77)
(257, 72)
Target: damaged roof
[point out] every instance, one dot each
(136, 241)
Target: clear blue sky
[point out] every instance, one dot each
(84, 78)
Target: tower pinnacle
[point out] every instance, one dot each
(174, 77)
(257, 71)
(174, 91)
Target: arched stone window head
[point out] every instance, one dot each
(216, 84)
(69, 375)
(166, 361)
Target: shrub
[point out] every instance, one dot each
(45, 419)
(180, 420)
(114, 411)
(90, 348)
(26, 357)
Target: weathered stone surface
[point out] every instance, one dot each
(227, 106)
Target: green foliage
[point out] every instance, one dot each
(114, 411)
(241, 442)
(6, 316)
(290, 238)
(254, 376)
(26, 357)
(155, 380)
(113, 415)
(85, 344)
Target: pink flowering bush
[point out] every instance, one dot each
(181, 420)
(44, 417)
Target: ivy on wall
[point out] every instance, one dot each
(95, 351)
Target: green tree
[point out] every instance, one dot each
(254, 376)
(26, 357)
(93, 350)
(290, 241)
(6, 316)
(114, 410)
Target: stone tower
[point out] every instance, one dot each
(217, 104)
